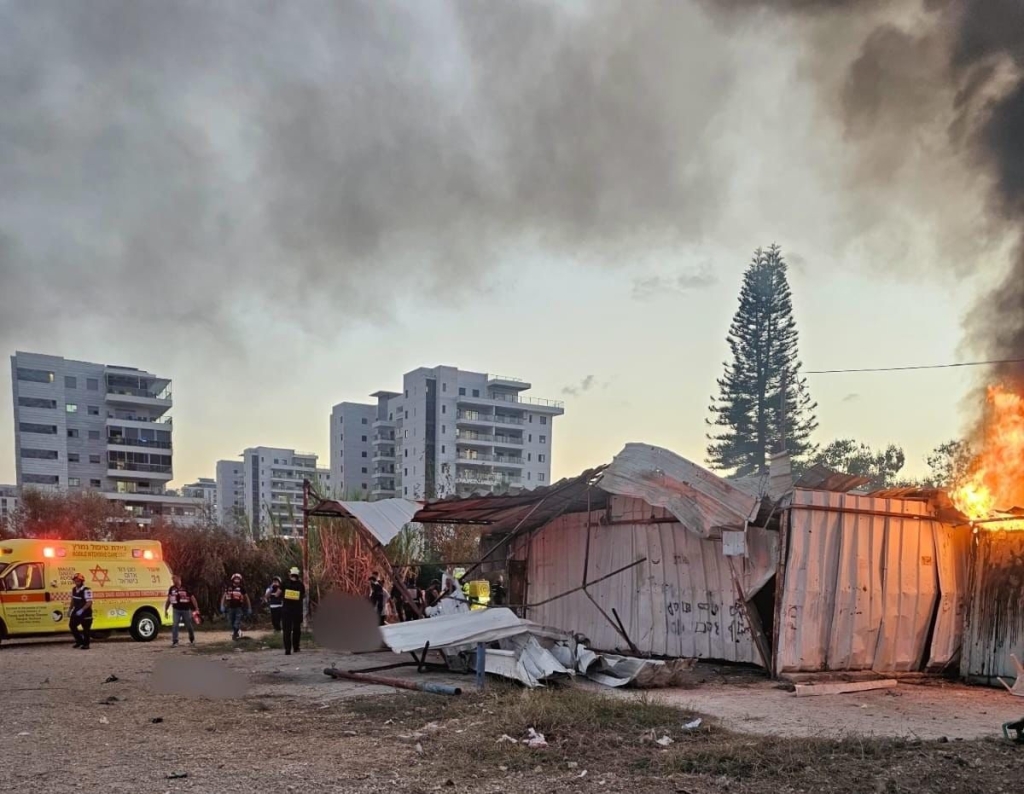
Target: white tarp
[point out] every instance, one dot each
(384, 518)
(702, 501)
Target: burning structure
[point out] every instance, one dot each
(654, 555)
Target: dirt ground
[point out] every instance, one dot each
(64, 729)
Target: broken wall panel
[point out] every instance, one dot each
(952, 563)
(680, 602)
(995, 620)
(861, 585)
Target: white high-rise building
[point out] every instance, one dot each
(204, 488)
(80, 425)
(264, 489)
(448, 431)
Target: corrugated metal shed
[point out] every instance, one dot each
(679, 602)
(862, 586)
(995, 624)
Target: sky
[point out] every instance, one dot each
(283, 208)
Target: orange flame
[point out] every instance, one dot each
(996, 479)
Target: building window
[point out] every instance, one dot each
(476, 392)
(94, 459)
(543, 439)
(406, 490)
(73, 457)
(364, 486)
(92, 384)
(444, 409)
(72, 432)
(406, 472)
(341, 420)
(70, 382)
(462, 392)
(406, 414)
(406, 433)
(540, 476)
(442, 449)
(36, 402)
(406, 451)
(444, 428)
(94, 410)
(365, 422)
(364, 439)
(541, 458)
(40, 479)
(531, 438)
(95, 483)
(35, 375)
(31, 427)
(528, 476)
(41, 454)
(74, 482)
(543, 420)
(341, 438)
(444, 387)
(362, 454)
(530, 419)
(71, 408)
(94, 435)
(529, 457)
(407, 394)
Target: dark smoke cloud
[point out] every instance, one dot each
(940, 81)
(189, 165)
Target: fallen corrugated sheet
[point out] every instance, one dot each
(384, 518)
(861, 585)
(679, 602)
(617, 671)
(522, 658)
(701, 501)
(995, 624)
(464, 628)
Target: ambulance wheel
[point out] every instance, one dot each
(145, 625)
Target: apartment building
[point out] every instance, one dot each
(263, 491)
(101, 427)
(204, 488)
(448, 431)
(8, 502)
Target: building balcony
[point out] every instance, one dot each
(506, 419)
(124, 395)
(506, 441)
(473, 459)
(135, 444)
(379, 423)
(141, 471)
(536, 404)
(380, 455)
(384, 472)
(471, 437)
(505, 460)
(484, 478)
(131, 420)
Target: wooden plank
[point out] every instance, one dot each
(841, 688)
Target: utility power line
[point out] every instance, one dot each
(917, 366)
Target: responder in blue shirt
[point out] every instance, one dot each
(80, 613)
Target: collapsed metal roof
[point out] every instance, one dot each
(383, 519)
(701, 500)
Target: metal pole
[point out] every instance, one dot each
(481, 664)
(305, 547)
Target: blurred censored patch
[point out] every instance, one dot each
(346, 623)
(202, 678)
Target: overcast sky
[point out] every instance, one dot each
(284, 206)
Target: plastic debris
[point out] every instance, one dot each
(506, 738)
(693, 725)
(664, 741)
(535, 740)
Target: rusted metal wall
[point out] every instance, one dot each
(680, 602)
(995, 622)
(861, 589)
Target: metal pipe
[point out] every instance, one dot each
(481, 664)
(857, 511)
(399, 683)
(616, 572)
(305, 548)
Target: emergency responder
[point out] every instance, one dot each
(274, 596)
(184, 604)
(80, 613)
(235, 602)
(294, 597)
(377, 596)
(498, 592)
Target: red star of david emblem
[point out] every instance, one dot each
(99, 576)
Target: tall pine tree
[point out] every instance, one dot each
(747, 421)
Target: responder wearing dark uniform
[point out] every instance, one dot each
(274, 596)
(498, 595)
(291, 612)
(80, 613)
(377, 596)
